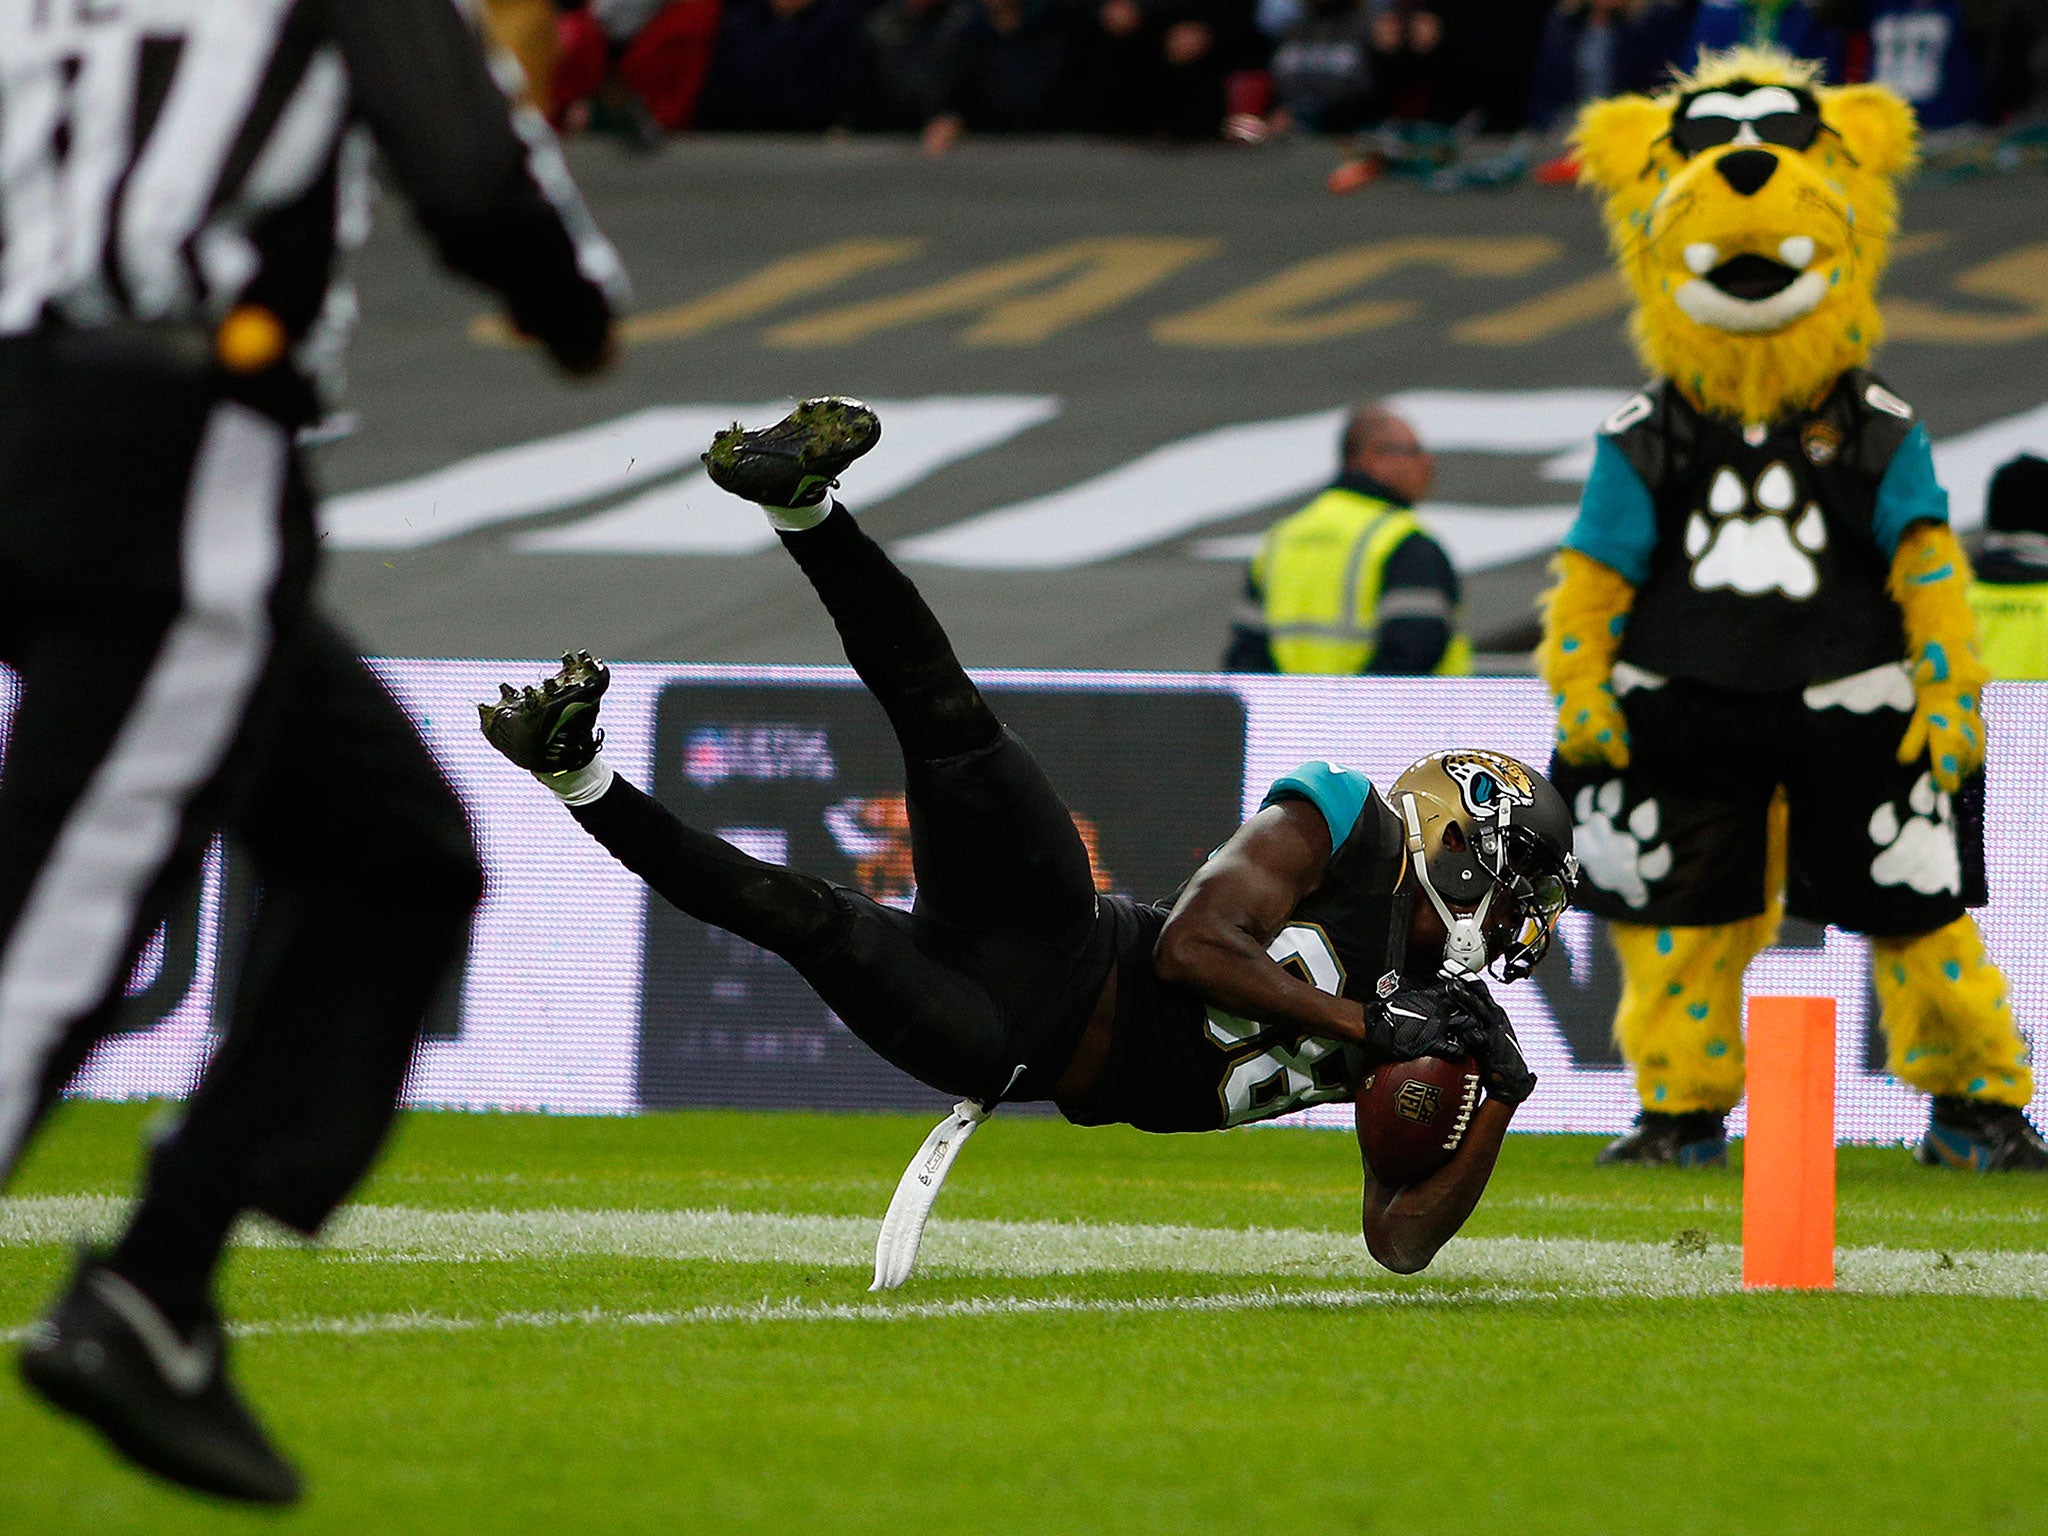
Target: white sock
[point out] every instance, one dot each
(580, 786)
(797, 519)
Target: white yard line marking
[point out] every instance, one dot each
(1006, 1249)
(792, 1310)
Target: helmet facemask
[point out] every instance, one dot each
(1490, 834)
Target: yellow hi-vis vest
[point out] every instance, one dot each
(1321, 573)
(2012, 627)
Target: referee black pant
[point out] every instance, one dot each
(156, 563)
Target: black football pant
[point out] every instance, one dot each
(998, 965)
(155, 568)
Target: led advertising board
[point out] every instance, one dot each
(583, 993)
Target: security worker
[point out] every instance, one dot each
(1352, 583)
(180, 182)
(2010, 594)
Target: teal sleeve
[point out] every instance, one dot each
(1617, 523)
(1339, 793)
(1909, 493)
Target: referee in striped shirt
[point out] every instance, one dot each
(179, 180)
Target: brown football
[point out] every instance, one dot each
(1412, 1116)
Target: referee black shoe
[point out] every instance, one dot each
(796, 461)
(552, 728)
(161, 1398)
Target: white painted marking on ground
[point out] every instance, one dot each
(1007, 1249)
(528, 478)
(1160, 495)
(796, 1310)
(1227, 472)
(692, 516)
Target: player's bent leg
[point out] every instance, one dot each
(991, 839)
(793, 914)
(1679, 1027)
(903, 987)
(891, 637)
(1951, 1034)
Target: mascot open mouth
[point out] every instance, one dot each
(1750, 292)
(1752, 277)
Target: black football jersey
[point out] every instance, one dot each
(1180, 1064)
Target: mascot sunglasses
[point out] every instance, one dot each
(1745, 113)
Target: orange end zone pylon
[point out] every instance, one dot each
(1788, 1160)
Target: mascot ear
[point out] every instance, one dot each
(1615, 137)
(1878, 128)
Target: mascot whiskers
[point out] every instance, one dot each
(1763, 662)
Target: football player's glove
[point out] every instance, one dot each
(1488, 1034)
(552, 728)
(1418, 1021)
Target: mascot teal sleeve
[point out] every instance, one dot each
(1617, 522)
(1909, 493)
(1339, 793)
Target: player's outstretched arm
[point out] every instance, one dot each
(1215, 939)
(1404, 1228)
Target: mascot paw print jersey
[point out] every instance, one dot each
(1760, 555)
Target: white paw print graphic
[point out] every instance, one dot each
(1617, 856)
(1764, 552)
(1917, 850)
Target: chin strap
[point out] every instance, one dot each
(1465, 954)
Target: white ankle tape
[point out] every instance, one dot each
(580, 786)
(797, 519)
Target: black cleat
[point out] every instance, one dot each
(1697, 1139)
(796, 461)
(105, 1354)
(552, 728)
(1990, 1138)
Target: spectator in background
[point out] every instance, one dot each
(1146, 67)
(1408, 62)
(1352, 583)
(1007, 71)
(903, 82)
(2010, 594)
(1921, 49)
(633, 67)
(782, 65)
(1596, 48)
(1322, 69)
(2016, 59)
(1797, 26)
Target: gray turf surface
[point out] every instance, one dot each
(699, 215)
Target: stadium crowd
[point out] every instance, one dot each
(1206, 69)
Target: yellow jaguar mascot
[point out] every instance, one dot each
(1763, 662)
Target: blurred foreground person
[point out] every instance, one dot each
(1337, 929)
(177, 181)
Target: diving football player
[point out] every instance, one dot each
(1336, 929)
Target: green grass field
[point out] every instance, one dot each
(541, 1325)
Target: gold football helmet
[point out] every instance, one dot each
(1481, 825)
